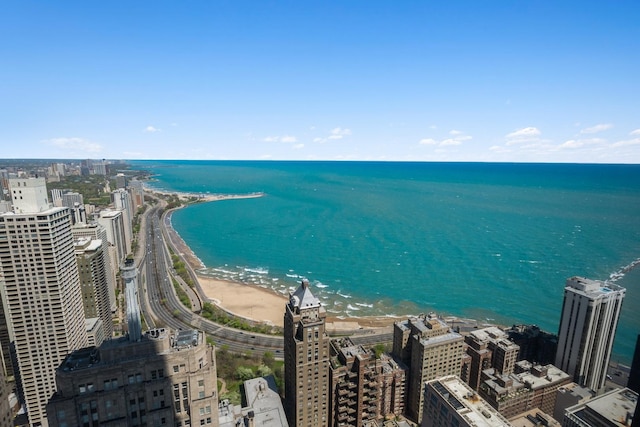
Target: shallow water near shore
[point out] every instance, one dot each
(494, 242)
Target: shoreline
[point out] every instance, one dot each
(248, 300)
(262, 304)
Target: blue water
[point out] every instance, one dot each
(494, 242)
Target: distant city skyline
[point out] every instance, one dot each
(410, 81)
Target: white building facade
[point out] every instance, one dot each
(588, 323)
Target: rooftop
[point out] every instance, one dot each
(616, 406)
(467, 403)
(264, 407)
(166, 343)
(488, 334)
(592, 288)
(440, 339)
(303, 298)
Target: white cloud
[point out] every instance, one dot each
(634, 141)
(335, 134)
(572, 143)
(450, 141)
(288, 139)
(458, 138)
(428, 141)
(151, 129)
(499, 149)
(79, 144)
(339, 133)
(298, 146)
(596, 128)
(528, 134)
(635, 132)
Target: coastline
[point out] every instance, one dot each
(249, 300)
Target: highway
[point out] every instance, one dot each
(161, 306)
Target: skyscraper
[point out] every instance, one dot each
(40, 290)
(432, 351)
(122, 201)
(590, 314)
(306, 360)
(96, 231)
(93, 282)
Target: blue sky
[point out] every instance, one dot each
(522, 81)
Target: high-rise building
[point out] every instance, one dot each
(95, 231)
(448, 401)
(121, 180)
(113, 222)
(70, 198)
(433, 351)
(93, 283)
(536, 345)
(164, 379)
(489, 348)
(6, 412)
(121, 200)
(588, 322)
(100, 167)
(134, 322)
(306, 360)
(392, 376)
(40, 290)
(136, 190)
(28, 195)
(354, 385)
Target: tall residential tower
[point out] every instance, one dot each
(590, 314)
(40, 290)
(306, 360)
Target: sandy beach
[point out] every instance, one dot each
(264, 305)
(250, 301)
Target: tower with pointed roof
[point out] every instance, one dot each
(306, 360)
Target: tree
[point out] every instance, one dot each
(379, 349)
(244, 373)
(268, 359)
(263, 371)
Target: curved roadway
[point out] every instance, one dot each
(161, 306)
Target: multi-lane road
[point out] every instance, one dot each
(161, 306)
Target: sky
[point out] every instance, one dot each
(487, 81)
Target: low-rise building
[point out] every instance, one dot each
(614, 408)
(449, 401)
(263, 406)
(527, 388)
